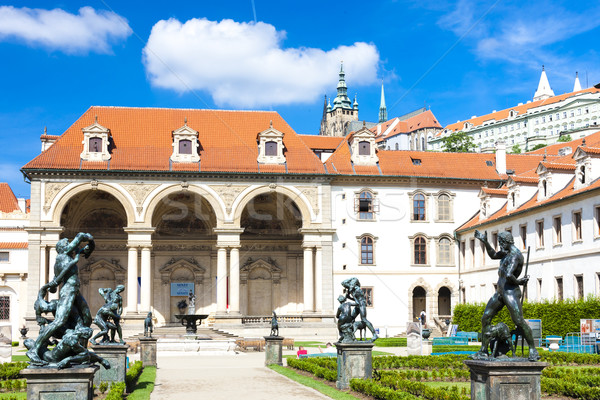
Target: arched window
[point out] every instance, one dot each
(364, 148)
(444, 213)
(95, 145)
(420, 249)
(423, 143)
(365, 205)
(366, 250)
(185, 147)
(419, 207)
(444, 251)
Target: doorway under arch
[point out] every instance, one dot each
(419, 296)
(444, 302)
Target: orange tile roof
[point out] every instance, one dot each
(423, 120)
(143, 141)
(13, 245)
(432, 164)
(503, 114)
(559, 166)
(49, 137)
(553, 149)
(8, 200)
(499, 192)
(318, 142)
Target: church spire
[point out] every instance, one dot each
(342, 100)
(577, 85)
(382, 108)
(544, 90)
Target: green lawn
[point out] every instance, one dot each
(20, 357)
(308, 344)
(145, 385)
(11, 396)
(440, 384)
(312, 383)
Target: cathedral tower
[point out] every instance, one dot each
(336, 119)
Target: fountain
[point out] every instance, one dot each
(190, 319)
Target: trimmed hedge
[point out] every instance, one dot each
(558, 317)
(316, 367)
(132, 375)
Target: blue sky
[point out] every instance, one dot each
(460, 58)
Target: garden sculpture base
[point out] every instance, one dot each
(273, 350)
(354, 360)
(65, 384)
(116, 355)
(501, 380)
(148, 351)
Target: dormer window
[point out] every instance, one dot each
(364, 148)
(270, 146)
(582, 174)
(95, 143)
(185, 145)
(545, 188)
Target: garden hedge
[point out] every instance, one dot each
(558, 317)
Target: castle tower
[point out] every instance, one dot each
(336, 119)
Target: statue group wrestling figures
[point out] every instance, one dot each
(508, 293)
(70, 330)
(352, 304)
(108, 317)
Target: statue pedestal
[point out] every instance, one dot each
(74, 383)
(116, 355)
(273, 350)
(5, 352)
(148, 351)
(354, 360)
(501, 380)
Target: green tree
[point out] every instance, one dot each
(565, 138)
(458, 142)
(538, 146)
(516, 149)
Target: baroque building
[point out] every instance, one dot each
(539, 122)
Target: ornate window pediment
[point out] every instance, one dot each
(260, 269)
(270, 146)
(182, 269)
(96, 141)
(364, 149)
(185, 145)
(102, 270)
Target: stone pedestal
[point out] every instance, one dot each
(426, 347)
(60, 384)
(501, 380)
(5, 352)
(273, 350)
(354, 360)
(148, 351)
(116, 355)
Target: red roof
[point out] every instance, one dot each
(143, 141)
(522, 109)
(8, 200)
(13, 245)
(423, 120)
(318, 142)
(573, 144)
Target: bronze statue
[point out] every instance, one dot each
(274, 325)
(352, 304)
(508, 292)
(72, 318)
(148, 325)
(500, 340)
(112, 309)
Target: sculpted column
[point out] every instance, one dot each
(221, 280)
(319, 279)
(309, 289)
(132, 283)
(146, 289)
(234, 280)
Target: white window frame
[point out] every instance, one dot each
(557, 234)
(577, 232)
(539, 234)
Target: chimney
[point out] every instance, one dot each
(501, 157)
(22, 205)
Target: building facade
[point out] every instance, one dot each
(539, 122)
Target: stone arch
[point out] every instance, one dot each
(118, 193)
(428, 295)
(453, 294)
(210, 197)
(292, 193)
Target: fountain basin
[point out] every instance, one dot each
(191, 321)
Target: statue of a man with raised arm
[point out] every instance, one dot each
(508, 291)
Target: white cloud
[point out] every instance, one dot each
(88, 31)
(245, 65)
